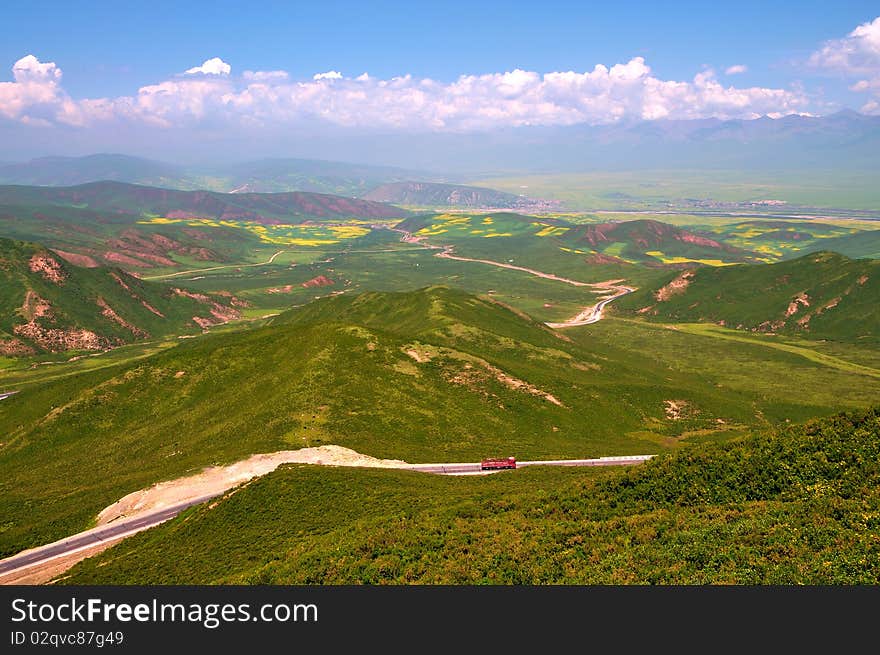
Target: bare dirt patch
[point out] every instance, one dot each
(220, 313)
(217, 479)
(108, 312)
(77, 259)
(15, 348)
(676, 409)
(36, 309)
(801, 299)
(320, 281)
(48, 267)
(421, 356)
(474, 371)
(676, 287)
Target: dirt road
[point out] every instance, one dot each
(213, 268)
(593, 314)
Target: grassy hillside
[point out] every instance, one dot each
(142, 228)
(796, 506)
(856, 246)
(556, 243)
(48, 304)
(432, 375)
(824, 295)
(653, 241)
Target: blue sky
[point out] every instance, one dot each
(108, 69)
(111, 47)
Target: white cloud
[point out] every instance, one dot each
(266, 76)
(736, 69)
(209, 96)
(35, 94)
(329, 75)
(30, 69)
(214, 66)
(857, 55)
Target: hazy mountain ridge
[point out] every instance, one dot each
(845, 140)
(258, 176)
(138, 200)
(432, 194)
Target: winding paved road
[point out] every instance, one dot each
(20, 564)
(88, 539)
(589, 315)
(213, 268)
(592, 314)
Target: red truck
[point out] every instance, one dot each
(496, 464)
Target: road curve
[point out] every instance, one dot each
(586, 317)
(90, 538)
(271, 260)
(592, 314)
(125, 527)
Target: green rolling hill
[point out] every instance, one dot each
(795, 506)
(50, 305)
(431, 375)
(650, 241)
(821, 295)
(856, 246)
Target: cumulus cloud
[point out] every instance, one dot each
(213, 66)
(30, 69)
(329, 75)
(35, 97)
(736, 69)
(265, 76)
(857, 55)
(208, 95)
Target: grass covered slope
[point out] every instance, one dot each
(50, 305)
(650, 241)
(822, 295)
(797, 506)
(864, 244)
(431, 375)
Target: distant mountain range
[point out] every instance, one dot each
(434, 194)
(137, 200)
(845, 140)
(262, 176)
